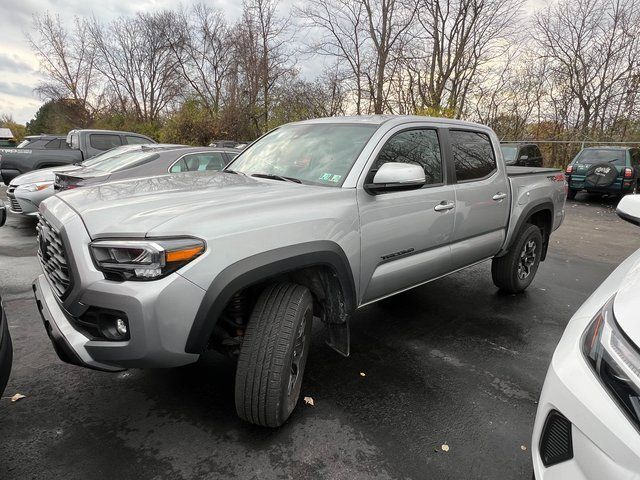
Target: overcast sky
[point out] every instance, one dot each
(18, 67)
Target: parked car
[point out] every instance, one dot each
(6, 350)
(77, 146)
(522, 154)
(144, 162)
(315, 219)
(607, 170)
(588, 417)
(26, 192)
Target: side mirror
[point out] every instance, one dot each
(396, 176)
(524, 157)
(629, 209)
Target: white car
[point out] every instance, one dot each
(588, 420)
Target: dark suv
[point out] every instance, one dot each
(608, 170)
(521, 154)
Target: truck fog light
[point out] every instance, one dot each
(121, 327)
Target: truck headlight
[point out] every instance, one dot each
(615, 360)
(34, 187)
(147, 259)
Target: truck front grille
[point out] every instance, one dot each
(53, 258)
(13, 203)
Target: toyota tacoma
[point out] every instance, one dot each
(313, 221)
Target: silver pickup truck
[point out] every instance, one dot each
(314, 220)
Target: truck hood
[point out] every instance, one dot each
(626, 306)
(134, 207)
(42, 175)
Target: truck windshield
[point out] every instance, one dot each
(509, 154)
(316, 154)
(603, 155)
(123, 161)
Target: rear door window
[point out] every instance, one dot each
(104, 141)
(53, 144)
(472, 155)
(200, 162)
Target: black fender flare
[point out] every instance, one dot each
(527, 213)
(257, 268)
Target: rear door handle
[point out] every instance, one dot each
(443, 206)
(499, 196)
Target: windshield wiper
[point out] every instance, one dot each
(276, 177)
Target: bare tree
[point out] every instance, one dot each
(67, 58)
(460, 37)
(341, 26)
(138, 63)
(203, 49)
(263, 56)
(592, 47)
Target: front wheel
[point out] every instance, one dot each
(514, 272)
(273, 355)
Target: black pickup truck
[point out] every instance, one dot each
(51, 151)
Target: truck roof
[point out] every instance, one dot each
(98, 130)
(391, 119)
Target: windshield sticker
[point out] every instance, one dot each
(330, 177)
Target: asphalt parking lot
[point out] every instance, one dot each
(454, 362)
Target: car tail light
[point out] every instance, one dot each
(628, 173)
(569, 169)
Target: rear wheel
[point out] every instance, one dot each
(515, 271)
(273, 355)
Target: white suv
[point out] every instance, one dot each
(588, 420)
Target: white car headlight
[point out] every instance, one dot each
(615, 359)
(34, 187)
(147, 259)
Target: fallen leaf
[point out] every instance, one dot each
(309, 401)
(523, 447)
(18, 396)
(362, 374)
(445, 447)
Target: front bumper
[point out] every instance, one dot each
(27, 203)
(605, 444)
(160, 313)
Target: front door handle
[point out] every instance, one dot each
(444, 206)
(499, 196)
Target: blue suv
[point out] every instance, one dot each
(607, 170)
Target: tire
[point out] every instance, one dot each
(6, 353)
(273, 355)
(571, 194)
(515, 271)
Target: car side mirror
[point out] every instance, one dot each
(396, 176)
(629, 209)
(524, 157)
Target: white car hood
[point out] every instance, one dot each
(626, 307)
(42, 175)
